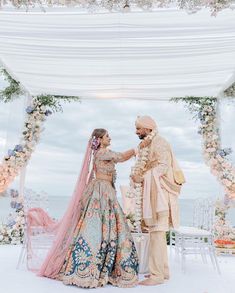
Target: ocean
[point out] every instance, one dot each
(57, 206)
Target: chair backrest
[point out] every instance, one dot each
(34, 199)
(204, 213)
(38, 238)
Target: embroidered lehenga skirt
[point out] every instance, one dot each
(102, 250)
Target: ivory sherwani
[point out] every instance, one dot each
(162, 184)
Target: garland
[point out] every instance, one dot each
(204, 110)
(191, 6)
(37, 112)
(136, 189)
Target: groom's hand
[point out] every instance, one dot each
(137, 178)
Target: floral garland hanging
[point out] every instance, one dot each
(136, 189)
(36, 114)
(224, 232)
(204, 109)
(191, 6)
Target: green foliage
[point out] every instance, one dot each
(12, 91)
(230, 91)
(54, 101)
(196, 104)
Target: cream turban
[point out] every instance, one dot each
(145, 122)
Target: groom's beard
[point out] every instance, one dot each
(141, 136)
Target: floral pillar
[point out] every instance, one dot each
(206, 110)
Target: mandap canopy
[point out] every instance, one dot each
(158, 54)
(141, 55)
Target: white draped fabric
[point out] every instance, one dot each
(142, 55)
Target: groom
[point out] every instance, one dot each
(161, 180)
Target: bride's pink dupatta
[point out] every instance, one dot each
(57, 253)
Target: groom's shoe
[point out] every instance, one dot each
(150, 282)
(166, 277)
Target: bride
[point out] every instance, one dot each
(94, 245)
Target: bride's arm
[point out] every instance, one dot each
(127, 155)
(117, 157)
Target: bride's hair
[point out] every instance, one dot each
(97, 134)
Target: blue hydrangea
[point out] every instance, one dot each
(13, 204)
(228, 151)
(48, 112)
(201, 117)
(19, 206)
(224, 152)
(11, 153)
(11, 223)
(29, 109)
(18, 148)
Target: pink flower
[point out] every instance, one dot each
(225, 164)
(226, 182)
(211, 150)
(214, 172)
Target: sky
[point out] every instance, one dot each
(55, 164)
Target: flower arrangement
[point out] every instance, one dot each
(95, 143)
(223, 231)
(12, 232)
(225, 243)
(136, 189)
(205, 110)
(18, 157)
(191, 6)
(37, 112)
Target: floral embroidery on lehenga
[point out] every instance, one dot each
(102, 250)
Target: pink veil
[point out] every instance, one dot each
(57, 253)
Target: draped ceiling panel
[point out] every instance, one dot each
(146, 55)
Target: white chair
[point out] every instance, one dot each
(35, 239)
(197, 239)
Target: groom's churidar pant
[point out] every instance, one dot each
(158, 260)
(158, 226)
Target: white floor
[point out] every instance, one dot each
(199, 277)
